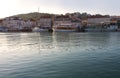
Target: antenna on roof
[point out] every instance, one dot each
(38, 9)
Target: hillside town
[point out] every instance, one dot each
(67, 22)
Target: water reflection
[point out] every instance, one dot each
(45, 41)
(57, 41)
(59, 55)
(51, 41)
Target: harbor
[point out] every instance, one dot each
(61, 23)
(59, 39)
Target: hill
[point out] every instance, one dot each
(34, 15)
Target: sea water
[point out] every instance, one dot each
(60, 55)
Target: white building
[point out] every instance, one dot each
(98, 23)
(17, 24)
(98, 20)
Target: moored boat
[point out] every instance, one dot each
(37, 29)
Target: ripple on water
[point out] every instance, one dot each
(59, 55)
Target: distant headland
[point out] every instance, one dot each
(82, 22)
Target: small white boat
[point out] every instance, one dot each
(64, 29)
(37, 29)
(3, 29)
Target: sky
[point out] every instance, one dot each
(13, 7)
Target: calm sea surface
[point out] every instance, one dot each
(60, 55)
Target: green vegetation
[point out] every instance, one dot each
(85, 15)
(34, 15)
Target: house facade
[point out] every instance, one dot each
(98, 20)
(98, 23)
(44, 22)
(62, 23)
(65, 23)
(17, 24)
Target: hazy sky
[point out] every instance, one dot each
(13, 7)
